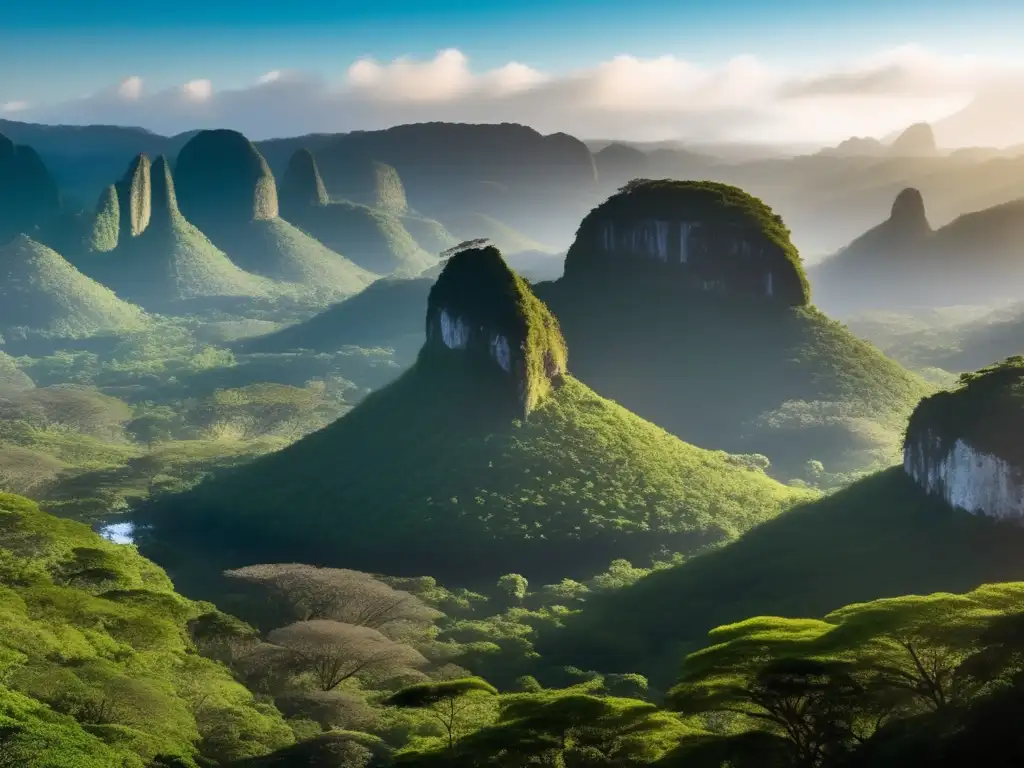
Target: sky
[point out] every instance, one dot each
(742, 70)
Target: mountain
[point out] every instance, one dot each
(41, 293)
(903, 262)
(360, 179)
(906, 530)
(916, 141)
(163, 259)
(992, 119)
(687, 303)
(486, 456)
(28, 195)
(226, 190)
(536, 184)
(619, 163)
(372, 235)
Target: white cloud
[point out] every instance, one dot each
(14, 106)
(627, 96)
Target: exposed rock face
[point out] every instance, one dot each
(975, 481)
(134, 199)
(480, 307)
(964, 446)
(28, 194)
(710, 237)
(223, 180)
(917, 141)
(301, 186)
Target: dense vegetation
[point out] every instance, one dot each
(41, 293)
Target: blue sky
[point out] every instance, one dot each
(58, 49)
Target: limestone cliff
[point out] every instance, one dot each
(134, 199)
(481, 308)
(964, 446)
(709, 237)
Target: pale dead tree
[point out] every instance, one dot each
(334, 651)
(351, 597)
(331, 709)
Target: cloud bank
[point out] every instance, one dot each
(626, 97)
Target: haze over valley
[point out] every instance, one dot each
(408, 385)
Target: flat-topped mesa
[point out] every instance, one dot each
(134, 199)
(482, 308)
(965, 445)
(708, 237)
(222, 179)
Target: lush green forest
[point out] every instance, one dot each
(289, 477)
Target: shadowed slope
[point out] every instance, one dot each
(226, 190)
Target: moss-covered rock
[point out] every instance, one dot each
(481, 308)
(301, 186)
(172, 260)
(706, 236)
(226, 189)
(222, 178)
(106, 223)
(134, 196)
(42, 293)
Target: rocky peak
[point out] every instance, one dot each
(696, 236)
(106, 222)
(917, 141)
(223, 180)
(134, 197)
(481, 308)
(357, 177)
(164, 198)
(908, 212)
(302, 187)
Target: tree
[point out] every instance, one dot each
(512, 588)
(334, 651)
(448, 700)
(350, 597)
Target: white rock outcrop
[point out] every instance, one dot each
(966, 478)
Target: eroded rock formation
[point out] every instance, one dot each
(482, 308)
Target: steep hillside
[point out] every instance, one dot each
(388, 313)
(974, 259)
(372, 235)
(41, 293)
(881, 537)
(168, 259)
(98, 668)
(485, 457)
(28, 195)
(686, 302)
(226, 190)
